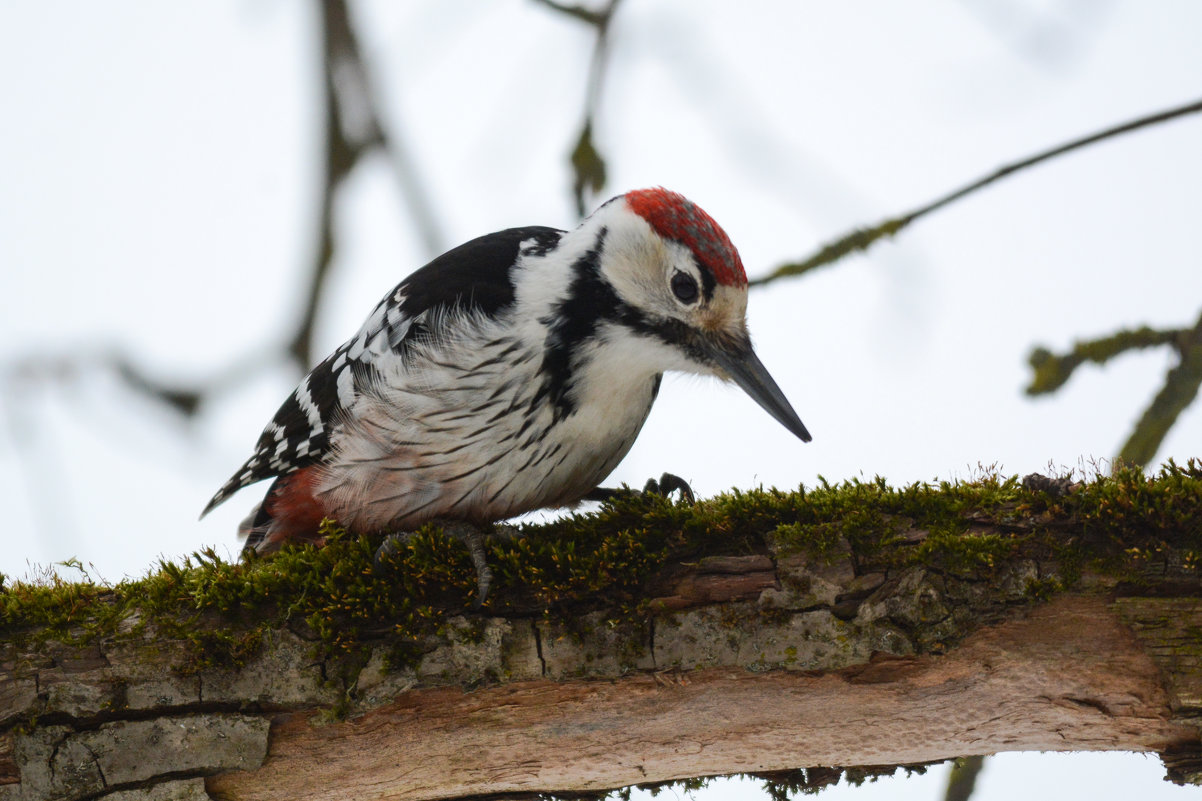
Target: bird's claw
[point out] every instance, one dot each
(388, 548)
(473, 538)
(466, 533)
(665, 486)
(669, 483)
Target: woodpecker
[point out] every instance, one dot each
(511, 373)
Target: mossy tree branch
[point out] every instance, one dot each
(786, 635)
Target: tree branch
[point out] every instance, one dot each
(354, 128)
(862, 238)
(598, 19)
(1052, 371)
(1179, 390)
(758, 632)
(963, 778)
(588, 166)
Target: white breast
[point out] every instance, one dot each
(455, 431)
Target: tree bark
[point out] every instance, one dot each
(742, 664)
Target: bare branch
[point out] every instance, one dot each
(353, 128)
(354, 85)
(588, 166)
(597, 18)
(184, 398)
(861, 238)
(340, 156)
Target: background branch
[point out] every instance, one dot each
(963, 778)
(588, 166)
(353, 129)
(1052, 371)
(862, 238)
(1179, 390)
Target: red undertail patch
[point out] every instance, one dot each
(295, 513)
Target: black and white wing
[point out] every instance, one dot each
(474, 276)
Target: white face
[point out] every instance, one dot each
(678, 324)
(663, 280)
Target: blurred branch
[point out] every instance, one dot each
(588, 166)
(353, 129)
(47, 483)
(963, 778)
(1052, 371)
(1181, 383)
(46, 369)
(1179, 390)
(862, 238)
(1047, 35)
(598, 19)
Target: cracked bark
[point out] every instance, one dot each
(745, 664)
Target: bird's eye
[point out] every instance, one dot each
(684, 287)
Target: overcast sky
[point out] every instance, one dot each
(158, 191)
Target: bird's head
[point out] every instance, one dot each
(678, 271)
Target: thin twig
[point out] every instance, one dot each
(597, 18)
(588, 166)
(860, 239)
(353, 128)
(339, 157)
(354, 83)
(1052, 371)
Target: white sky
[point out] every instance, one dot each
(158, 191)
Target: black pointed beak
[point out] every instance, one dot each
(746, 369)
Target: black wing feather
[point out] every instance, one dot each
(475, 275)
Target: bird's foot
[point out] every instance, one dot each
(665, 486)
(388, 549)
(471, 536)
(669, 483)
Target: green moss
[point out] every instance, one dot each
(872, 520)
(1044, 588)
(66, 609)
(965, 553)
(1124, 525)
